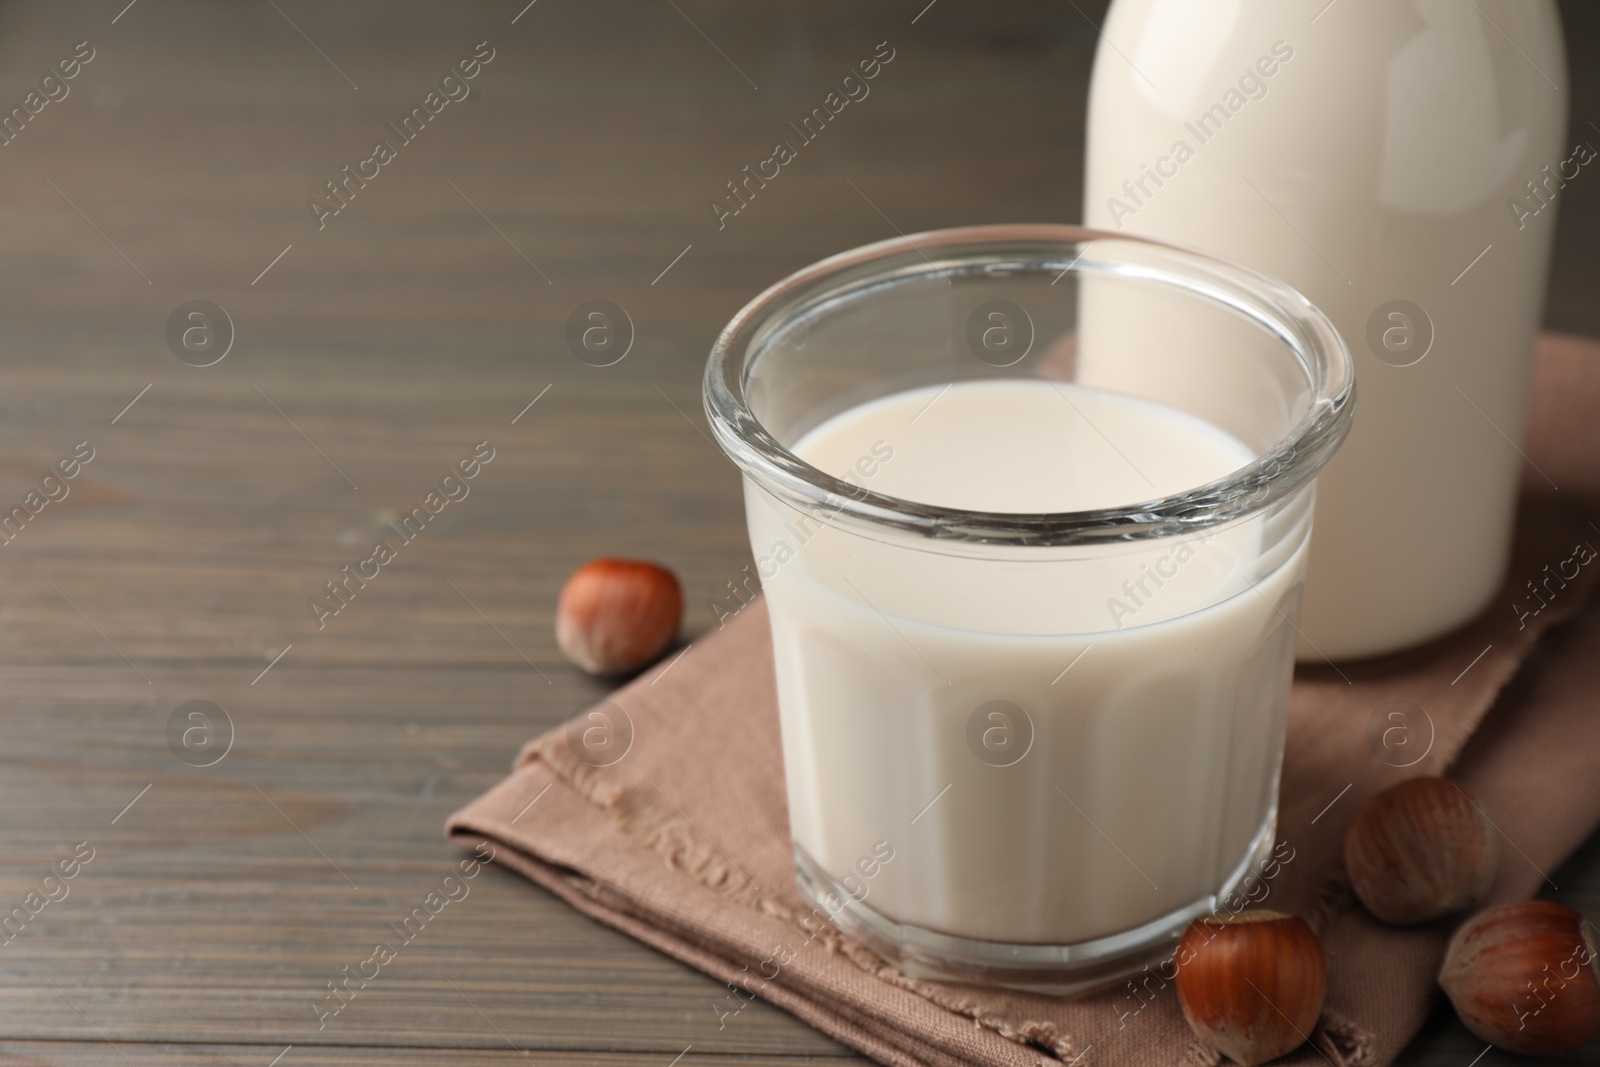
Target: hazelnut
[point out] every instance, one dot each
(618, 615)
(1523, 977)
(1251, 984)
(1421, 850)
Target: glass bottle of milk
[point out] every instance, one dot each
(1398, 162)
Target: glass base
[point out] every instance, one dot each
(1060, 970)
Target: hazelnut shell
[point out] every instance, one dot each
(1421, 850)
(1251, 985)
(616, 615)
(1523, 977)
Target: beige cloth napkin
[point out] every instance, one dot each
(683, 843)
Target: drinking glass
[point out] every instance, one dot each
(1027, 748)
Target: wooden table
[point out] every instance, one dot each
(368, 357)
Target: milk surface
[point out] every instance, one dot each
(1140, 687)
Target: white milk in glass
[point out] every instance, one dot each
(1057, 744)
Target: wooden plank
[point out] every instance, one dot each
(218, 906)
(201, 532)
(124, 1054)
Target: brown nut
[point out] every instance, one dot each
(1523, 977)
(1251, 984)
(1421, 850)
(618, 615)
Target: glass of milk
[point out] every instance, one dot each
(1033, 615)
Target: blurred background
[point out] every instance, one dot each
(351, 360)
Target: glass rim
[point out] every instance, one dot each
(1280, 310)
